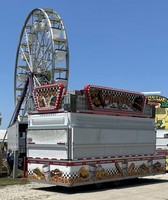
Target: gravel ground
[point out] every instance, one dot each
(149, 188)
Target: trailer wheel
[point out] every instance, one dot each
(99, 185)
(117, 183)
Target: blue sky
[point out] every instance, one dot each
(116, 43)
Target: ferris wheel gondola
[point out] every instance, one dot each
(42, 56)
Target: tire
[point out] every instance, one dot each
(117, 183)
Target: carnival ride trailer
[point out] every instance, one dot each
(73, 149)
(97, 134)
(78, 135)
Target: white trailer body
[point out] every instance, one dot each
(79, 135)
(73, 149)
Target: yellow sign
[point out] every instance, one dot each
(161, 115)
(155, 98)
(161, 118)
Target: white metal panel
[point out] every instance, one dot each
(46, 121)
(86, 136)
(98, 135)
(160, 133)
(117, 150)
(112, 136)
(88, 151)
(112, 150)
(118, 136)
(13, 137)
(144, 149)
(47, 136)
(162, 141)
(45, 153)
(146, 136)
(106, 151)
(92, 120)
(163, 147)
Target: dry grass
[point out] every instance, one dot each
(10, 181)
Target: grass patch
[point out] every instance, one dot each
(10, 181)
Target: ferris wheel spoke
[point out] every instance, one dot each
(42, 37)
(44, 49)
(30, 38)
(46, 52)
(48, 66)
(26, 59)
(36, 81)
(20, 84)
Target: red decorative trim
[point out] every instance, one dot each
(162, 151)
(48, 97)
(104, 99)
(94, 160)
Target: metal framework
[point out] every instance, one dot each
(42, 57)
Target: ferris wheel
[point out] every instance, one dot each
(42, 56)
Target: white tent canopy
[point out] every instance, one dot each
(2, 134)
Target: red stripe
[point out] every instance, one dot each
(95, 161)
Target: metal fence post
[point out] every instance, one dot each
(15, 164)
